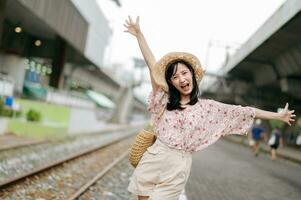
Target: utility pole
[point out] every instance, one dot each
(221, 44)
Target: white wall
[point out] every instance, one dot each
(14, 66)
(84, 121)
(3, 125)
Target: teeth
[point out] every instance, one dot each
(184, 86)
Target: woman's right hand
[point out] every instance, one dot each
(132, 27)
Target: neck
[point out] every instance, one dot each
(185, 99)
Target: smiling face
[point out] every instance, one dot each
(182, 85)
(182, 79)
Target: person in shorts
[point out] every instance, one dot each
(258, 135)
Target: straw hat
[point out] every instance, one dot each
(158, 70)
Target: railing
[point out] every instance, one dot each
(68, 99)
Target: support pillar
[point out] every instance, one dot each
(2, 11)
(124, 106)
(58, 62)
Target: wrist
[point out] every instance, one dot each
(139, 34)
(278, 116)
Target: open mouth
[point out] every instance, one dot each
(185, 87)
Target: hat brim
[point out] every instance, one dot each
(158, 70)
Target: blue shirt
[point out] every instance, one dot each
(256, 133)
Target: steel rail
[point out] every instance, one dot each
(98, 176)
(47, 166)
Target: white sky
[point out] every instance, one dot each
(185, 25)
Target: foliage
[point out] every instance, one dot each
(1, 102)
(33, 115)
(276, 124)
(6, 112)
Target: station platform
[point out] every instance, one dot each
(11, 140)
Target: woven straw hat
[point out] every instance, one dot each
(158, 70)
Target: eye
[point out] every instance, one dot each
(184, 72)
(174, 77)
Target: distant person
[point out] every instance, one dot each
(258, 135)
(274, 142)
(183, 122)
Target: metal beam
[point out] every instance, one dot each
(265, 62)
(285, 13)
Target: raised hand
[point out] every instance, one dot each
(132, 27)
(287, 115)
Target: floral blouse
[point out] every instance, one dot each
(198, 125)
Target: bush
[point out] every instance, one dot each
(276, 124)
(18, 113)
(6, 112)
(1, 102)
(33, 115)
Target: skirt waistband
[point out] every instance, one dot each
(165, 146)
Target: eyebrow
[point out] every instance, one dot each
(184, 70)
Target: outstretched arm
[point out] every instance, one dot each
(134, 29)
(285, 115)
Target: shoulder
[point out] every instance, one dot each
(207, 102)
(157, 94)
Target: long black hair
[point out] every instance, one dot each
(174, 94)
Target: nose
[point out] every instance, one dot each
(182, 79)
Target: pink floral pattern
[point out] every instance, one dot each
(199, 125)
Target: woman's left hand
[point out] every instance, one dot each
(287, 115)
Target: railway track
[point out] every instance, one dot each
(69, 178)
(17, 164)
(81, 191)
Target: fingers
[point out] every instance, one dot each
(127, 27)
(130, 19)
(286, 106)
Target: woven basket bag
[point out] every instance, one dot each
(145, 138)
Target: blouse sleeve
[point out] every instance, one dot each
(235, 119)
(218, 119)
(157, 101)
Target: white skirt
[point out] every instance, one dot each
(161, 173)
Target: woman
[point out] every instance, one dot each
(274, 142)
(182, 121)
